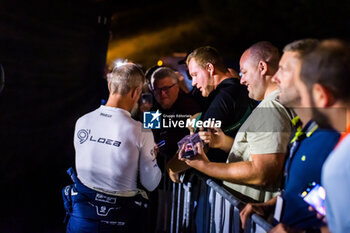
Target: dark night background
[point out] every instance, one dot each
(54, 55)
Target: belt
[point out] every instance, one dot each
(126, 193)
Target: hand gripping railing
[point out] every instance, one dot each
(182, 215)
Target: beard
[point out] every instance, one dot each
(291, 103)
(321, 118)
(289, 100)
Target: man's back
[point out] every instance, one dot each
(108, 146)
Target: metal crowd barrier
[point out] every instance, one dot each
(182, 208)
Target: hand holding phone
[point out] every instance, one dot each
(315, 195)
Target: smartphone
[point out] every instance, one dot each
(147, 98)
(315, 195)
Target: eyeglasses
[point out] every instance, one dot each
(165, 89)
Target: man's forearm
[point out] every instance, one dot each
(177, 166)
(263, 169)
(239, 172)
(266, 208)
(269, 206)
(226, 143)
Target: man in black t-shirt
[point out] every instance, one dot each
(228, 102)
(228, 99)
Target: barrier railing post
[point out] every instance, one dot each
(231, 224)
(236, 220)
(205, 208)
(178, 208)
(173, 208)
(188, 204)
(184, 206)
(185, 211)
(248, 226)
(212, 211)
(221, 213)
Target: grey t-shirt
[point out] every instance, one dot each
(266, 131)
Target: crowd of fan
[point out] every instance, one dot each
(282, 145)
(284, 125)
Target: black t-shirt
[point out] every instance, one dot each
(202, 101)
(229, 103)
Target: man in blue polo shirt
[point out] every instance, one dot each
(308, 150)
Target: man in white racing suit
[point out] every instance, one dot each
(113, 151)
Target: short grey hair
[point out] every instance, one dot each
(124, 78)
(302, 47)
(266, 52)
(163, 72)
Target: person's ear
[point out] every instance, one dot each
(322, 97)
(210, 68)
(262, 66)
(136, 92)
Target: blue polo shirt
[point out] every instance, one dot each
(304, 166)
